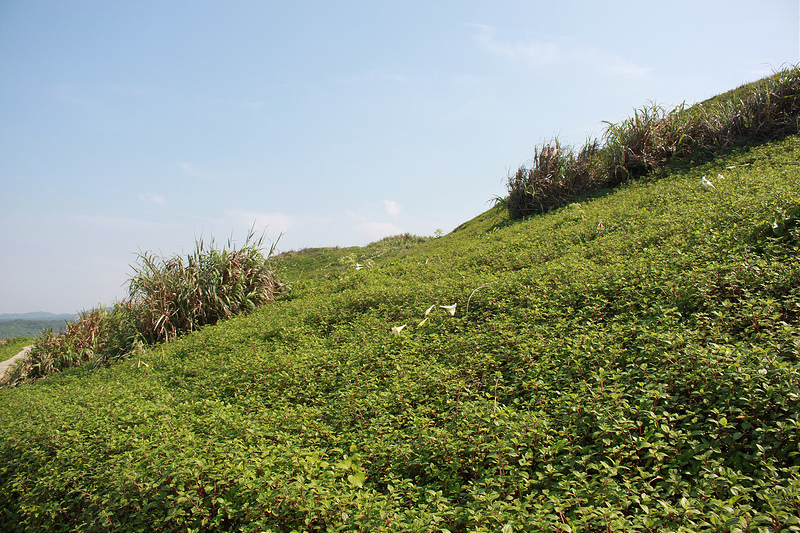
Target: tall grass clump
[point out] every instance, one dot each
(170, 296)
(642, 143)
(167, 297)
(653, 137)
(757, 112)
(556, 174)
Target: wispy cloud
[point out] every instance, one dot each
(155, 198)
(274, 223)
(189, 169)
(610, 64)
(225, 105)
(74, 94)
(378, 230)
(132, 90)
(382, 75)
(392, 207)
(538, 53)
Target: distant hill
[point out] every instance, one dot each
(31, 324)
(37, 315)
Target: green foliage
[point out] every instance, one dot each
(322, 263)
(627, 363)
(784, 225)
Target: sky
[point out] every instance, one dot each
(128, 127)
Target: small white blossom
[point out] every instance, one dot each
(450, 309)
(707, 183)
(397, 329)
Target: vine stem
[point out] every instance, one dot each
(470, 297)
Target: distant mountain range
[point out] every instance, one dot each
(39, 315)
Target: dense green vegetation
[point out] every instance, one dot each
(627, 362)
(320, 263)
(11, 346)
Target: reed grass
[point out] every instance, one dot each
(654, 137)
(168, 296)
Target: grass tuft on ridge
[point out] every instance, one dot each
(653, 137)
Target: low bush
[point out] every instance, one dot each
(555, 176)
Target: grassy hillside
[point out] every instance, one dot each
(629, 362)
(322, 263)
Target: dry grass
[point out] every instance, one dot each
(554, 175)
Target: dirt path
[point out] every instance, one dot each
(5, 365)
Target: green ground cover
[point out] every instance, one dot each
(628, 362)
(11, 346)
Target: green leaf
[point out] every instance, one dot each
(357, 479)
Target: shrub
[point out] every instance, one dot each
(642, 143)
(52, 352)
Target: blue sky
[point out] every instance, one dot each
(142, 125)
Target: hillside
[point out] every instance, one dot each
(628, 362)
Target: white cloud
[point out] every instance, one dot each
(155, 198)
(189, 169)
(539, 53)
(610, 64)
(392, 207)
(378, 230)
(274, 223)
(381, 75)
(543, 53)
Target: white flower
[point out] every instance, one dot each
(397, 329)
(720, 176)
(429, 310)
(450, 309)
(359, 266)
(707, 183)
